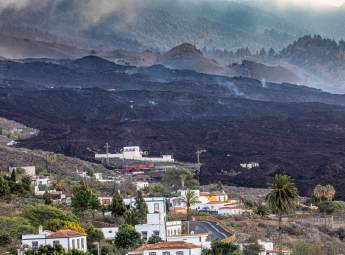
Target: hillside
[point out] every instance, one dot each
(158, 24)
(187, 56)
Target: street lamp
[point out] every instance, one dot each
(97, 247)
(198, 166)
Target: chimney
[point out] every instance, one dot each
(40, 230)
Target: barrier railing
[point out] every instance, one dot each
(210, 218)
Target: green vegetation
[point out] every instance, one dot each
(263, 210)
(93, 235)
(56, 225)
(282, 194)
(140, 208)
(127, 237)
(189, 199)
(172, 177)
(39, 213)
(117, 206)
(158, 189)
(12, 227)
(94, 204)
(221, 248)
(329, 207)
(56, 250)
(82, 197)
(89, 170)
(154, 239)
(51, 157)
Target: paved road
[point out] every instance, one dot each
(214, 231)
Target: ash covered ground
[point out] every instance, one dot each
(287, 128)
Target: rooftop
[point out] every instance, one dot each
(65, 233)
(217, 193)
(216, 202)
(205, 234)
(276, 248)
(142, 177)
(171, 245)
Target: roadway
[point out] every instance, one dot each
(212, 228)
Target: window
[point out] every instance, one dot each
(156, 207)
(144, 235)
(35, 245)
(156, 233)
(110, 231)
(82, 243)
(166, 253)
(168, 232)
(152, 253)
(73, 244)
(179, 253)
(179, 231)
(40, 182)
(78, 246)
(55, 242)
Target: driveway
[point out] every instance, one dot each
(214, 231)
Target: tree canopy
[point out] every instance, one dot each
(127, 236)
(172, 177)
(82, 197)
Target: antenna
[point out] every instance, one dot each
(198, 165)
(107, 147)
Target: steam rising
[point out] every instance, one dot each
(263, 83)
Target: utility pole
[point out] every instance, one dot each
(107, 147)
(198, 165)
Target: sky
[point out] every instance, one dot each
(332, 2)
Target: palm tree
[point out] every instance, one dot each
(263, 210)
(330, 192)
(189, 199)
(319, 192)
(51, 157)
(283, 194)
(183, 178)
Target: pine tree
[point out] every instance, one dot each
(141, 207)
(94, 204)
(47, 197)
(4, 188)
(220, 186)
(82, 197)
(117, 206)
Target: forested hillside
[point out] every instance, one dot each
(163, 24)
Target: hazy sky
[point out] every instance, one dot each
(332, 2)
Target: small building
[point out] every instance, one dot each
(82, 174)
(268, 247)
(213, 206)
(216, 196)
(69, 239)
(233, 200)
(230, 210)
(109, 232)
(155, 226)
(29, 170)
(197, 239)
(168, 248)
(40, 180)
(98, 176)
(250, 165)
(154, 204)
(142, 178)
(140, 184)
(275, 250)
(105, 200)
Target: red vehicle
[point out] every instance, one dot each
(139, 168)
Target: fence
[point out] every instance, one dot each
(210, 218)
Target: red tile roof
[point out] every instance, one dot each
(65, 233)
(171, 245)
(140, 249)
(204, 193)
(216, 202)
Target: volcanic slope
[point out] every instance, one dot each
(187, 56)
(284, 127)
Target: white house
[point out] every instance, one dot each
(140, 184)
(173, 228)
(29, 170)
(168, 248)
(154, 204)
(268, 247)
(213, 205)
(98, 176)
(250, 165)
(69, 239)
(155, 226)
(40, 180)
(82, 174)
(197, 239)
(109, 232)
(230, 210)
(275, 250)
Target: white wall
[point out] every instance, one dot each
(109, 233)
(195, 251)
(150, 229)
(141, 185)
(150, 201)
(173, 228)
(30, 170)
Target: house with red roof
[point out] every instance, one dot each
(168, 248)
(275, 250)
(69, 239)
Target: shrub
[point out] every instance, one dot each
(305, 209)
(202, 214)
(56, 225)
(337, 205)
(170, 218)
